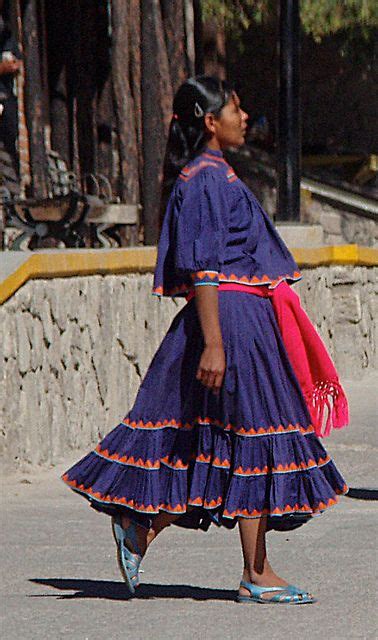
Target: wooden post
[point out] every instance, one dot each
(34, 100)
(58, 21)
(23, 138)
(73, 83)
(124, 104)
(156, 113)
(86, 88)
(106, 134)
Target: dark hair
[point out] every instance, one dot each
(187, 135)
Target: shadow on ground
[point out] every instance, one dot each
(109, 590)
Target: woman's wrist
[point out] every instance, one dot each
(214, 342)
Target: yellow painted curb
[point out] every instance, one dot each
(80, 263)
(343, 254)
(142, 260)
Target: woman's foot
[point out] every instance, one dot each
(129, 555)
(270, 579)
(144, 537)
(258, 575)
(141, 536)
(266, 579)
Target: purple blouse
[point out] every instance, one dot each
(215, 231)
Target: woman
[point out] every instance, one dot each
(220, 430)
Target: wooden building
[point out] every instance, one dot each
(97, 88)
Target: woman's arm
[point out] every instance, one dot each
(213, 363)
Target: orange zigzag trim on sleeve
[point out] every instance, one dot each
(242, 279)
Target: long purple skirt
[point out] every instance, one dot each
(248, 452)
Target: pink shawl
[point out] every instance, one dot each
(316, 373)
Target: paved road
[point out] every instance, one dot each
(60, 578)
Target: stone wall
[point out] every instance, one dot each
(342, 302)
(339, 226)
(73, 351)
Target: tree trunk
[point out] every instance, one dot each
(34, 100)
(198, 37)
(135, 77)
(124, 103)
(189, 18)
(156, 112)
(214, 49)
(174, 33)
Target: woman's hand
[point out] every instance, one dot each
(12, 66)
(213, 362)
(212, 367)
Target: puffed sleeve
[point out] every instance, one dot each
(200, 222)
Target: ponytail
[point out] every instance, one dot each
(187, 134)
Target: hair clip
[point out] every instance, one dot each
(198, 111)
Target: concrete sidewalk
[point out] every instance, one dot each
(60, 578)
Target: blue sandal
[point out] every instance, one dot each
(128, 561)
(285, 595)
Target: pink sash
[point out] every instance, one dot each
(313, 367)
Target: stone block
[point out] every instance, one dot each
(9, 341)
(36, 341)
(333, 239)
(372, 305)
(311, 210)
(347, 305)
(357, 230)
(300, 235)
(349, 350)
(372, 274)
(344, 275)
(23, 344)
(331, 222)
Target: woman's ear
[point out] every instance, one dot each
(209, 121)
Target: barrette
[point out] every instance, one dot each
(198, 111)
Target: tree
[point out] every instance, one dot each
(320, 18)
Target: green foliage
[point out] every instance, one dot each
(319, 17)
(234, 14)
(325, 17)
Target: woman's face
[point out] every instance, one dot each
(230, 127)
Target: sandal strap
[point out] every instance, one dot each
(293, 589)
(128, 534)
(133, 563)
(256, 591)
(286, 594)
